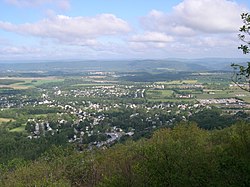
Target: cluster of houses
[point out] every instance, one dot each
(100, 91)
(220, 101)
(110, 91)
(89, 115)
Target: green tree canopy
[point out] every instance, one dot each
(241, 76)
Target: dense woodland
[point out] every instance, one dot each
(181, 156)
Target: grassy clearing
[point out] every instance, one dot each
(19, 129)
(40, 115)
(26, 83)
(34, 83)
(214, 94)
(172, 100)
(246, 99)
(157, 94)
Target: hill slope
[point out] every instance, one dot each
(183, 156)
(124, 65)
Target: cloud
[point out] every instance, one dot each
(150, 40)
(192, 16)
(210, 16)
(154, 37)
(158, 21)
(4, 41)
(62, 4)
(193, 28)
(72, 30)
(19, 50)
(208, 45)
(198, 28)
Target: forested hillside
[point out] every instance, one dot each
(182, 156)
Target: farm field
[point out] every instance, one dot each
(227, 93)
(26, 83)
(156, 94)
(191, 90)
(178, 82)
(91, 85)
(4, 120)
(172, 100)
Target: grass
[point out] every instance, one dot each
(172, 100)
(167, 94)
(214, 94)
(91, 85)
(26, 83)
(9, 81)
(19, 129)
(228, 93)
(32, 83)
(159, 93)
(40, 115)
(247, 100)
(177, 82)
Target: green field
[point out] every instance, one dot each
(19, 129)
(174, 89)
(26, 83)
(91, 85)
(178, 82)
(9, 81)
(165, 96)
(228, 93)
(157, 94)
(174, 100)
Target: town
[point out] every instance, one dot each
(99, 109)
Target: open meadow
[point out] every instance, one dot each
(26, 82)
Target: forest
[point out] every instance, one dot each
(184, 155)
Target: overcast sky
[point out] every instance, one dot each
(120, 29)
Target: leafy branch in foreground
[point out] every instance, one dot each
(245, 33)
(242, 73)
(241, 76)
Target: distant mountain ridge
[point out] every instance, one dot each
(150, 65)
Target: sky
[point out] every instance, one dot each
(120, 29)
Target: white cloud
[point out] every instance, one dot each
(154, 37)
(168, 23)
(191, 16)
(199, 28)
(63, 4)
(193, 28)
(210, 16)
(208, 45)
(150, 40)
(25, 3)
(19, 50)
(72, 30)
